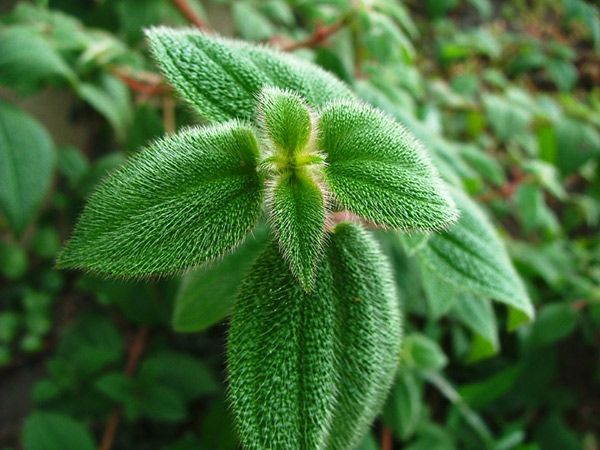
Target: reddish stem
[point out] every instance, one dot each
(135, 352)
(321, 33)
(190, 14)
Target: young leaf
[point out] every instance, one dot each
(285, 121)
(298, 216)
(322, 361)
(377, 170)
(207, 294)
(27, 159)
(186, 199)
(470, 256)
(222, 77)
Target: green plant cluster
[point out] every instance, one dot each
(441, 165)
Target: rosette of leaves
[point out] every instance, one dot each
(315, 332)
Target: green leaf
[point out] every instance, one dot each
(423, 353)
(251, 23)
(111, 98)
(377, 170)
(50, 431)
(555, 321)
(471, 257)
(477, 314)
(207, 294)
(222, 77)
(440, 296)
(28, 59)
(285, 120)
(186, 199)
(184, 374)
(90, 344)
(482, 393)
(325, 361)
(27, 159)
(298, 216)
(13, 260)
(404, 407)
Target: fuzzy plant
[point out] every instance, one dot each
(315, 333)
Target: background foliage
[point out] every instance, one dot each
(503, 94)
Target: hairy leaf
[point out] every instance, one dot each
(27, 158)
(377, 170)
(222, 77)
(298, 216)
(186, 199)
(311, 370)
(208, 293)
(285, 120)
(470, 256)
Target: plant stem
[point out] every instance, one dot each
(135, 352)
(190, 14)
(321, 33)
(387, 440)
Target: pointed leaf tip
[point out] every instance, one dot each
(186, 199)
(285, 120)
(298, 217)
(377, 170)
(323, 361)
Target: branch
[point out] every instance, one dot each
(190, 14)
(387, 440)
(135, 352)
(145, 82)
(321, 33)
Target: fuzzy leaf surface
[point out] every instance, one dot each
(27, 159)
(184, 200)
(377, 170)
(285, 120)
(298, 217)
(470, 256)
(311, 370)
(222, 77)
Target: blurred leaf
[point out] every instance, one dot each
(507, 119)
(423, 353)
(90, 344)
(13, 260)
(577, 142)
(440, 295)
(470, 256)
(554, 322)
(208, 293)
(250, 22)
(50, 431)
(182, 373)
(111, 99)
(482, 393)
(332, 62)
(477, 314)
(27, 159)
(404, 408)
(28, 60)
